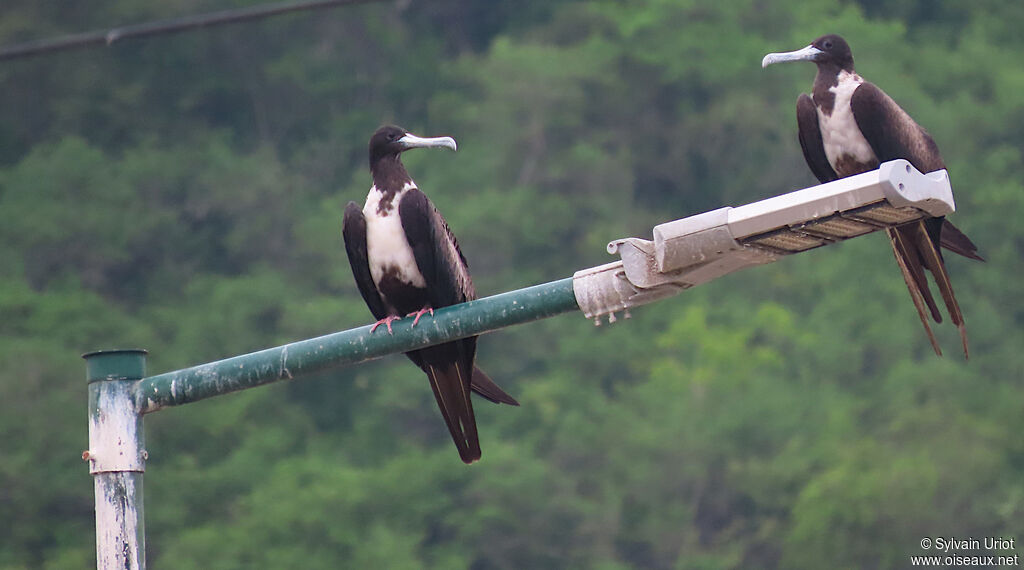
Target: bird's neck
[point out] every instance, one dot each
(390, 180)
(824, 82)
(389, 175)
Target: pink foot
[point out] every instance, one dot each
(420, 313)
(386, 321)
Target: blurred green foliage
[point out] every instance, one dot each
(184, 194)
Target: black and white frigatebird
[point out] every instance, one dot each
(406, 262)
(849, 126)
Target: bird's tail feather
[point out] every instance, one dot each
(906, 260)
(484, 386)
(915, 251)
(905, 245)
(956, 241)
(451, 386)
(929, 252)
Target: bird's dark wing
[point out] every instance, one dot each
(436, 251)
(928, 248)
(891, 132)
(954, 240)
(449, 366)
(354, 232)
(446, 273)
(810, 140)
(483, 385)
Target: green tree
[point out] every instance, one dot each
(184, 194)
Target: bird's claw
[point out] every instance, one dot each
(386, 321)
(420, 313)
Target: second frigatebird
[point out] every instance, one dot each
(406, 262)
(848, 126)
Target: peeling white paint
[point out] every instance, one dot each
(284, 364)
(114, 430)
(117, 462)
(120, 536)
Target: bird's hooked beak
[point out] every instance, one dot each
(809, 53)
(412, 141)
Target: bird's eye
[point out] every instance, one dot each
(828, 45)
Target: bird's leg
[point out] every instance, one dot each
(386, 321)
(420, 313)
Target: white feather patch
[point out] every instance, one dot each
(840, 134)
(386, 244)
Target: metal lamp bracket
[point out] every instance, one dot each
(690, 251)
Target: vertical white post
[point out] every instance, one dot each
(117, 458)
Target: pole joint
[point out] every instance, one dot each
(115, 424)
(117, 457)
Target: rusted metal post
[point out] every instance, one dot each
(117, 457)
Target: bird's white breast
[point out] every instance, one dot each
(840, 134)
(386, 244)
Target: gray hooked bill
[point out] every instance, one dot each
(809, 53)
(412, 141)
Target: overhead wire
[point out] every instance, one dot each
(168, 26)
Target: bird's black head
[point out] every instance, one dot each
(834, 50)
(384, 142)
(827, 51)
(389, 141)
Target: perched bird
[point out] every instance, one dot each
(406, 262)
(849, 126)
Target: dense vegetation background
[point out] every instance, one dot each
(184, 194)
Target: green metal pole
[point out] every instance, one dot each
(117, 458)
(354, 346)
